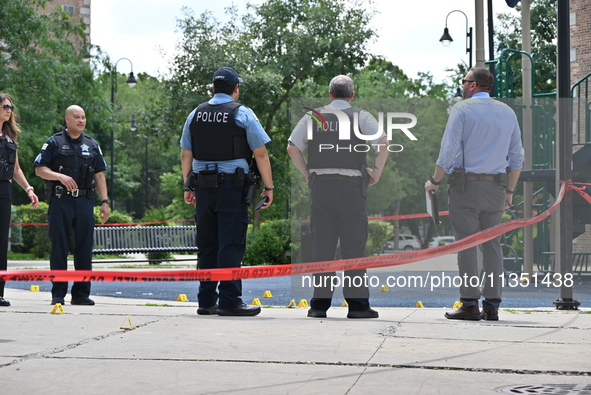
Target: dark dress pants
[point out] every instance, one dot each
(222, 220)
(479, 207)
(5, 213)
(338, 213)
(65, 214)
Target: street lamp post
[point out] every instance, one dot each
(446, 38)
(131, 81)
(133, 128)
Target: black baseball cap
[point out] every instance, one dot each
(226, 76)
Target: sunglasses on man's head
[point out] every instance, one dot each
(8, 107)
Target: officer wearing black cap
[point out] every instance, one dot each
(218, 142)
(72, 167)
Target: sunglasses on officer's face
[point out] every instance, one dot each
(8, 107)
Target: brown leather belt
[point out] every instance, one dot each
(481, 177)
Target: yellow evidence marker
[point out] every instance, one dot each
(57, 308)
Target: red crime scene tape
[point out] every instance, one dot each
(282, 270)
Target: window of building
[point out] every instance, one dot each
(68, 8)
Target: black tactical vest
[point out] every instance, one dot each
(344, 154)
(7, 159)
(76, 158)
(215, 135)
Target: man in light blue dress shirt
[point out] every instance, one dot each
(481, 151)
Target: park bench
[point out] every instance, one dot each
(144, 239)
(580, 263)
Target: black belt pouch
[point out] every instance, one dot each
(207, 179)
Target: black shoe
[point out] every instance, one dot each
(4, 302)
(56, 300)
(489, 315)
(369, 313)
(83, 301)
(471, 313)
(208, 310)
(241, 310)
(316, 313)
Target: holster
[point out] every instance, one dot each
(252, 186)
(311, 180)
(190, 182)
(239, 178)
(504, 180)
(457, 178)
(364, 181)
(48, 190)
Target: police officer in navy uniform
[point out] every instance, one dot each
(72, 167)
(338, 179)
(218, 142)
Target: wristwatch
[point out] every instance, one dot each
(105, 201)
(434, 182)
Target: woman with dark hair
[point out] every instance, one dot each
(9, 169)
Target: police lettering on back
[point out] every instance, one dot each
(214, 116)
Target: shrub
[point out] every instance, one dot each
(270, 244)
(115, 217)
(379, 233)
(35, 238)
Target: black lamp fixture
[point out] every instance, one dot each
(446, 39)
(131, 81)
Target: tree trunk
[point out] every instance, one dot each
(396, 223)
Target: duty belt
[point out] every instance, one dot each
(221, 177)
(353, 179)
(59, 191)
(226, 177)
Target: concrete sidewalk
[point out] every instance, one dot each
(173, 350)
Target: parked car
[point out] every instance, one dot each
(441, 240)
(405, 242)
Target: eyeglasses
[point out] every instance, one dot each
(464, 81)
(8, 107)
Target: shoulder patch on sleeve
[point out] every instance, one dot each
(253, 114)
(44, 147)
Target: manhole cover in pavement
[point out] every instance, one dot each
(562, 389)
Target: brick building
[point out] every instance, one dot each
(580, 56)
(580, 39)
(80, 10)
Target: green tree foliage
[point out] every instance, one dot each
(400, 188)
(379, 233)
(543, 43)
(133, 148)
(270, 245)
(278, 48)
(34, 238)
(46, 73)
